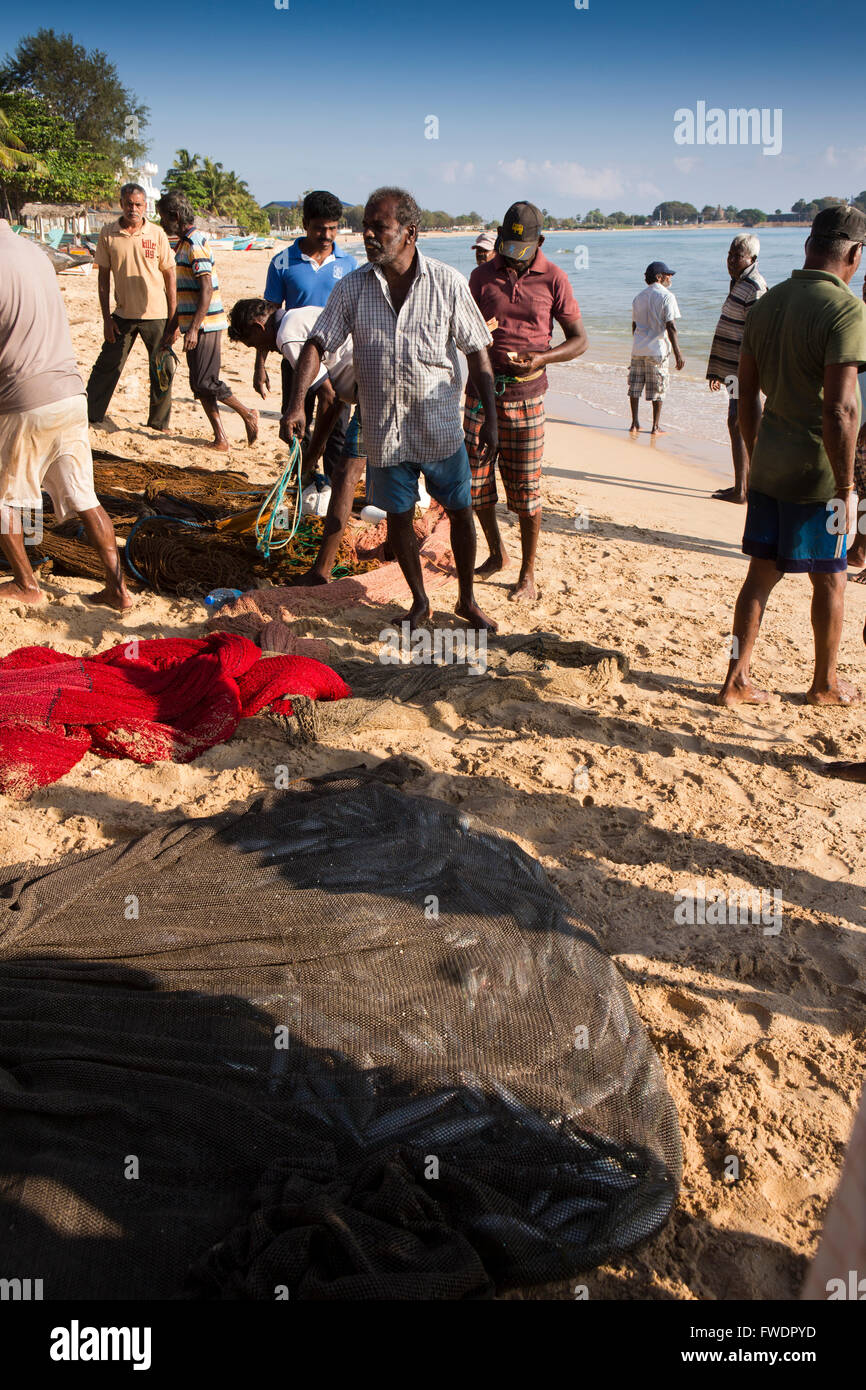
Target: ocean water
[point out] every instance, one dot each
(611, 274)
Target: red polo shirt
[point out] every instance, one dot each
(525, 306)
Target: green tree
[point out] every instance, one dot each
(751, 216)
(675, 212)
(860, 201)
(708, 213)
(184, 177)
(59, 167)
(84, 89)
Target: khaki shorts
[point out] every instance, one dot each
(47, 448)
(650, 373)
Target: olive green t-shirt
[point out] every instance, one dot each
(797, 329)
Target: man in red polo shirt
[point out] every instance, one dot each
(523, 293)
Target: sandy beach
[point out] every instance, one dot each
(761, 1035)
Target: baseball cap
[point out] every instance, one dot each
(658, 268)
(841, 221)
(521, 228)
(485, 241)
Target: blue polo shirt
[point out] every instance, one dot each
(294, 282)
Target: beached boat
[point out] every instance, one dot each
(243, 243)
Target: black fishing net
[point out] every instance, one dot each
(344, 1045)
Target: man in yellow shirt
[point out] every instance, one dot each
(138, 256)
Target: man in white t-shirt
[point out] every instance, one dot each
(259, 324)
(653, 315)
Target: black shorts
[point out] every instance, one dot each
(204, 367)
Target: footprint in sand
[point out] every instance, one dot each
(686, 1004)
(757, 1012)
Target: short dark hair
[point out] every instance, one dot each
(832, 248)
(132, 188)
(322, 206)
(244, 313)
(650, 277)
(407, 211)
(178, 207)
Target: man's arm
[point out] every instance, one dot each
(261, 380)
(294, 421)
(670, 329)
(171, 300)
(328, 408)
(481, 376)
(748, 401)
(205, 295)
(575, 343)
(103, 284)
(840, 420)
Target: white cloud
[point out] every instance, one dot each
(563, 177)
(850, 159)
(457, 172)
(686, 165)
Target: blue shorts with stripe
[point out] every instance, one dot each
(797, 535)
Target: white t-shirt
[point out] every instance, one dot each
(294, 327)
(651, 310)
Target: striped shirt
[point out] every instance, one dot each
(725, 350)
(409, 388)
(194, 258)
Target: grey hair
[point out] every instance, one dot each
(406, 211)
(748, 243)
(132, 188)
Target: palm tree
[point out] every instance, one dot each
(185, 162)
(13, 157)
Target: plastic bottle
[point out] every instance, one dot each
(217, 597)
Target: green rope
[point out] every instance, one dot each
(274, 500)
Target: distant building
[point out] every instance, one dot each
(44, 218)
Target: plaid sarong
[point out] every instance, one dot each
(521, 450)
(649, 372)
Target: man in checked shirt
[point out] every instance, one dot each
(407, 316)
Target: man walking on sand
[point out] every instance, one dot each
(521, 294)
(136, 253)
(201, 319)
(802, 346)
(257, 324)
(44, 439)
(653, 326)
(407, 316)
(747, 285)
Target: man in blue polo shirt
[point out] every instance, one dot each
(305, 273)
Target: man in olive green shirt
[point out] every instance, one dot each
(803, 344)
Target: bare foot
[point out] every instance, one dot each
(657, 429)
(220, 446)
(251, 425)
(729, 494)
(418, 614)
(472, 614)
(634, 429)
(309, 579)
(741, 692)
(112, 597)
(849, 772)
(844, 693)
(523, 589)
(857, 578)
(15, 594)
(492, 565)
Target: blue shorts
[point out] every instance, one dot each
(449, 482)
(796, 535)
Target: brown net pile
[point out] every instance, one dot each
(189, 531)
(347, 1045)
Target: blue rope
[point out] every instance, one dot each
(274, 500)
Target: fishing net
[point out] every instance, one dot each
(346, 1044)
(518, 667)
(191, 530)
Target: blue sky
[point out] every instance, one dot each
(571, 108)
